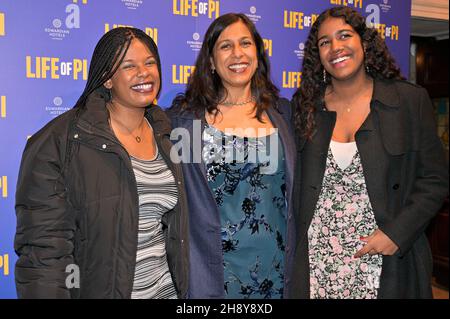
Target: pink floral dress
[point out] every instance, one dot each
(343, 214)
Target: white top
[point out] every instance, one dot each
(343, 153)
(158, 194)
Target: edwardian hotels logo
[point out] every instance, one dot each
(195, 44)
(300, 52)
(385, 6)
(132, 4)
(57, 108)
(252, 15)
(61, 26)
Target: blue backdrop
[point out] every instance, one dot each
(46, 45)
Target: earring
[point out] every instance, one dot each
(213, 71)
(324, 76)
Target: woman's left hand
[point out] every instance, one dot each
(377, 243)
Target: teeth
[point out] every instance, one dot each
(238, 66)
(143, 86)
(340, 59)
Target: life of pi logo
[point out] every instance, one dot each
(348, 3)
(298, 20)
(373, 21)
(4, 186)
(2, 24)
(2, 106)
(151, 32)
(292, 80)
(51, 67)
(181, 73)
(195, 8)
(268, 44)
(4, 263)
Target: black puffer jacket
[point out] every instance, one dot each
(77, 203)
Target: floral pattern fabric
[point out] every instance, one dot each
(343, 214)
(250, 195)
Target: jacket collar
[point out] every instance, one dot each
(158, 119)
(96, 116)
(385, 92)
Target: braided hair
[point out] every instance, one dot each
(107, 57)
(380, 64)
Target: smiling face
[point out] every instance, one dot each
(234, 56)
(340, 49)
(136, 82)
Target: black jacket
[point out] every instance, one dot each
(406, 176)
(77, 203)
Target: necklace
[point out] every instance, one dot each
(251, 99)
(356, 100)
(136, 137)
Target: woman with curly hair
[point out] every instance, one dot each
(371, 172)
(239, 184)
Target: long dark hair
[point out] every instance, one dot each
(107, 57)
(205, 89)
(379, 62)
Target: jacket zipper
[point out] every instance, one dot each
(128, 165)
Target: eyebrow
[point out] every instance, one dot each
(243, 38)
(338, 32)
(131, 60)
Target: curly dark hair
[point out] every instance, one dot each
(205, 90)
(310, 95)
(107, 57)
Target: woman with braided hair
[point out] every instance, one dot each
(101, 208)
(371, 171)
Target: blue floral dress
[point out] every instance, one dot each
(247, 178)
(343, 214)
